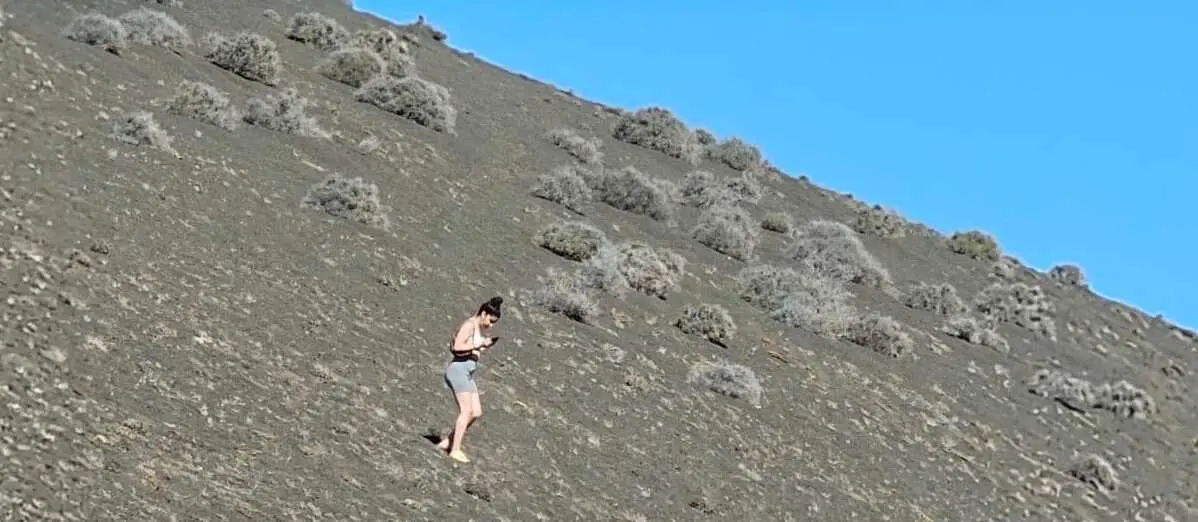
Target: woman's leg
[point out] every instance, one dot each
(465, 418)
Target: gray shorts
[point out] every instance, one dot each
(459, 375)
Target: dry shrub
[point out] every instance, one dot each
(284, 112)
(799, 299)
(881, 334)
(565, 186)
(573, 240)
(602, 271)
(701, 189)
(939, 298)
(353, 199)
(1019, 304)
(353, 66)
(630, 190)
(832, 249)
(729, 379)
(1068, 275)
(710, 321)
(728, 230)
(779, 222)
(155, 28)
(654, 272)
(249, 55)
(140, 128)
(974, 244)
(879, 222)
(1096, 472)
(203, 102)
(565, 294)
(735, 153)
(318, 30)
(1121, 398)
(98, 30)
(586, 150)
(390, 47)
(973, 331)
(657, 128)
(416, 99)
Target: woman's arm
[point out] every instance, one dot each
(461, 341)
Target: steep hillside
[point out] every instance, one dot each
(236, 243)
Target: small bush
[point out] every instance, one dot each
(936, 298)
(832, 249)
(879, 222)
(98, 30)
(249, 55)
(802, 300)
(973, 331)
(415, 99)
(735, 153)
(315, 29)
(155, 28)
(565, 294)
(353, 66)
(728, 230)
(630, 190)
(573, 240)
(974, 244)
(565, 186)
(656, 128)
(1068, 275)
(203, 102)
(710, 321)
(1072, 392)
(1095, 472)
(745, 186)
(586, 150)
(348, 198)
(881, 334)
(1125, 400)
(140, 128)
(779, 222)
(701, 189)
(704, 137)
(391, 48)
(1005, 268)
(1019, 304)
(731, 380)
(654, 272)
(283, 112)
(602, 271)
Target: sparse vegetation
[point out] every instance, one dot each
(832, 249)
(318, 30)
(602, 271)
(735, 153)
(779, 222)
(203, 102)
(565, 294)
(565, 186)
(939, 298)
(353, 199)
(879, 222)
(98, 30)
(1019, 304)
(1121, 398)
(806, 301)
(1096, 472)
(973, 331)
(655, 272)
(710, 321)
(415, 99)
(573, 240)
(701, 189)
(630, 190)
(353, 66)
(974, 244)
(390, 47)
(881, 334)
(284, 112)
(249, 55)
(657, 128)
(728, 379)
(586, 150)
(154, 28)
(1068, 275)
(140, 128)
(728, 230)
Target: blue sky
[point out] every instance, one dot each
(1068, 129)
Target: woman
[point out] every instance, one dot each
(459, 374)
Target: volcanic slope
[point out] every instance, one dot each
(237, 237)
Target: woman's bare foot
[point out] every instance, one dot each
(458, 456)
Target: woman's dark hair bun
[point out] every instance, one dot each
(491, 306)
(496, 301)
